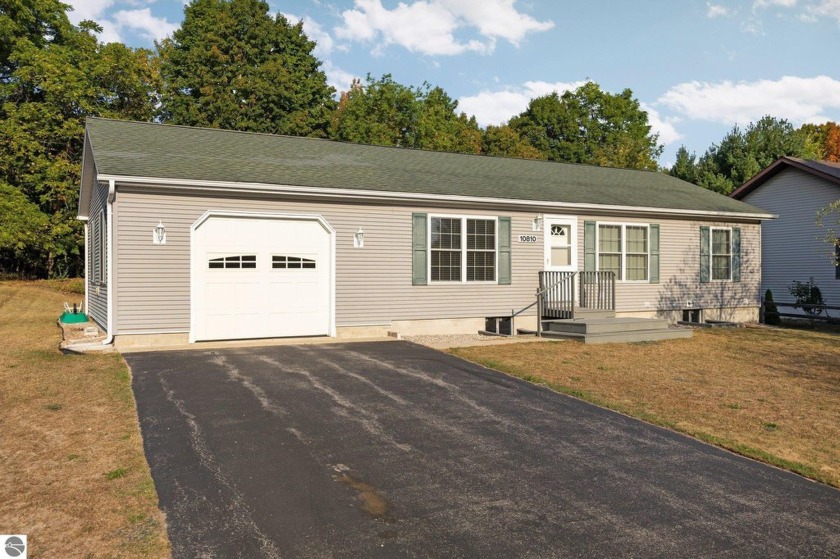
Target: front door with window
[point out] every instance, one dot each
(560, 244)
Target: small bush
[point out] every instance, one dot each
(808, 297)
(771, 311)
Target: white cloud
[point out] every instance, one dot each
(496, 107)
(796, 99)
(717, 10)
(144, 23)
(429, 26)
(336, 77)
(823, 9)
(770, 3)
(140, 21)
(88, 9)
(664, 126)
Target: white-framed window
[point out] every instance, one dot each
(721, 253)
(624, 249)
(462, 249)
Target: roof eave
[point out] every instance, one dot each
(773, 169)
(421, 197)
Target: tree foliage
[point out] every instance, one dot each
(387, 113)
(827, 138)
(589, 125)
(58, 74)
(506, 141)
(741, 154)
(232, 65)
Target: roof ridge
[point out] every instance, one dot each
(362, 145)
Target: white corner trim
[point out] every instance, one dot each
(477, 201)
(109, 219)
(258, 215)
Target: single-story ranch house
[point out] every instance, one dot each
(793, 246)
(197, 234)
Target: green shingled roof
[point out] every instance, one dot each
(178, 152)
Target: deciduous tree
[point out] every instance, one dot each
(589, 125)
(233, 65)
(58, 74)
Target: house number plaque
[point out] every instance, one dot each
(527, 238)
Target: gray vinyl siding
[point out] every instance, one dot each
(679, 270)
(374, 283)
(97, 258)
(793, 244)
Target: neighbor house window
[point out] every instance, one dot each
(721, 254)
(462, 249)
(624, 250)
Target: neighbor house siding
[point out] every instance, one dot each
(794, 249)
(97, 259)
(679, 271)
(373, 285)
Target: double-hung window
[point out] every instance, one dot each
(624, 250)
(462, 249)
(721, 254)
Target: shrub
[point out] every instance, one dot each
(771, 311)
(808, 297)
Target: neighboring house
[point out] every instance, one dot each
(793, 246)
(196, 234)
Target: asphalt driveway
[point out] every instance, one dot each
(395, 450)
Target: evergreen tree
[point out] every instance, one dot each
(232, 65)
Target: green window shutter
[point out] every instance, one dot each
(736, 254)
(419, 226)
(589, 264)
(705, 254)
(654, 253)
(504, 251)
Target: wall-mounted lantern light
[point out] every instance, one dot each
(359, 238)
(159, 234)
(538, 223)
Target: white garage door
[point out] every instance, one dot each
(258, 277)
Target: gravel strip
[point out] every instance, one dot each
(467, 340)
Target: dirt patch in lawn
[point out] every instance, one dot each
(772, 394)
(73, 476)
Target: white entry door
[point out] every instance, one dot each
(560, 244)
(261, 277)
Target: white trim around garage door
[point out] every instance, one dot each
(258, 215)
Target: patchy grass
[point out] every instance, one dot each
(770, 394)
(70, 478)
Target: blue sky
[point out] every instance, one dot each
(698, 67)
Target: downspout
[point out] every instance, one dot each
(86, 271)
(109, 220)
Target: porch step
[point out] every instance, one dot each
(612, 330)
(605, 325)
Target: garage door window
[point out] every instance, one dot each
(238, 261)
(294, 262)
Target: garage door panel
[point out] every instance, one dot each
(287, 293)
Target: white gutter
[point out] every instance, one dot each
(248, 187)
(109, 219)
(85, 274)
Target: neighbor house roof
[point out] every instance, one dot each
(824, 169)
(180, 154)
